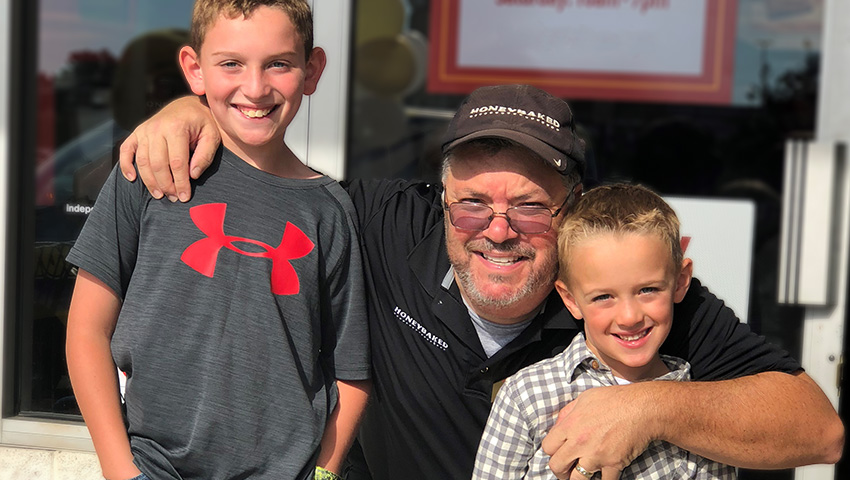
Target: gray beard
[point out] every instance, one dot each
(540, 278)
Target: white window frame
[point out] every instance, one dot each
(823, 327)
(317, 135)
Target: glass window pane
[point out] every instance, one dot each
(728, 149)
(103, 66)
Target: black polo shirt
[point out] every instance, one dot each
(432, 381)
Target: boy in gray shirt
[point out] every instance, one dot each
(239, 317)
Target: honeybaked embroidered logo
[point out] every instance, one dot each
(202, 255)
(421, 330)
(501, 110)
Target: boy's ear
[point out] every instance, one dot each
(683, 280)
(191, 65)
(315, 67)
(568, 299)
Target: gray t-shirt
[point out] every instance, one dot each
(240, 309)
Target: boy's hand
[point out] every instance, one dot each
(160, 147)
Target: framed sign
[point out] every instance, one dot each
(641, 50)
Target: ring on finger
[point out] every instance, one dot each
(584, 471)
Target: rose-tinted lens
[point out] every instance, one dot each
(470, 216)
(529, 220)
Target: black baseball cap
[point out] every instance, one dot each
(527, 115)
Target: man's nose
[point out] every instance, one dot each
(500, 229)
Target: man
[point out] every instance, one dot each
(460, 281)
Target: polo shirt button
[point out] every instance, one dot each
(485, 369)
(595, 365)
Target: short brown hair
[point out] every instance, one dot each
(619, 209)
(206, 12)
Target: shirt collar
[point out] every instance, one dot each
(429, 260)
(579, 358)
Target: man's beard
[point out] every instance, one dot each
(541, 277)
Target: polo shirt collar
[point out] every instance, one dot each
(429, 260)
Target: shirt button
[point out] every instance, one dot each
(595, 365)
(485, 369)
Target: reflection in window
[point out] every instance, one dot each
(732, 151)
(103, 66)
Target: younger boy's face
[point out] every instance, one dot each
(254, 73)
(624, 288)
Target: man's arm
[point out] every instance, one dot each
(342, 424)
(764, 421)
(160, 147)
(91, 322)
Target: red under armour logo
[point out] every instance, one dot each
(203, 254)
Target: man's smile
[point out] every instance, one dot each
(502, 260)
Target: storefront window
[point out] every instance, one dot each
(102, 67)
(415, 59)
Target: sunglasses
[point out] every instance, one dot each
(523, 219)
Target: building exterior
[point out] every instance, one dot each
(705, 118)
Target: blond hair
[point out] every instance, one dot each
(619, 209)
(206, 12)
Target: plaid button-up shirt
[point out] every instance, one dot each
(527, 406)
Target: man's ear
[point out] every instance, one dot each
(315, 66)
(683, 280)
(568, 299)
(191, 65)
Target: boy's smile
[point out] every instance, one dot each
(624, 287)
(255, 113)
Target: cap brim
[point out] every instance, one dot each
(554, 158)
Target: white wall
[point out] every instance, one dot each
(20, 464)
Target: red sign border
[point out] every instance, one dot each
(712, 86)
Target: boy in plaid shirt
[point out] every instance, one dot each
(621, 271)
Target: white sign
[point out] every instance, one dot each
(719, 236)
(679, 51)
(615, 36)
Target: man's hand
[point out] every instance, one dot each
(603, 429)
(160, 147)
(768, 420)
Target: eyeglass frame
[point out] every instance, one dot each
(493, 214)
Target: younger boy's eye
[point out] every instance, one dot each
(648, 290)
(601, 298)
